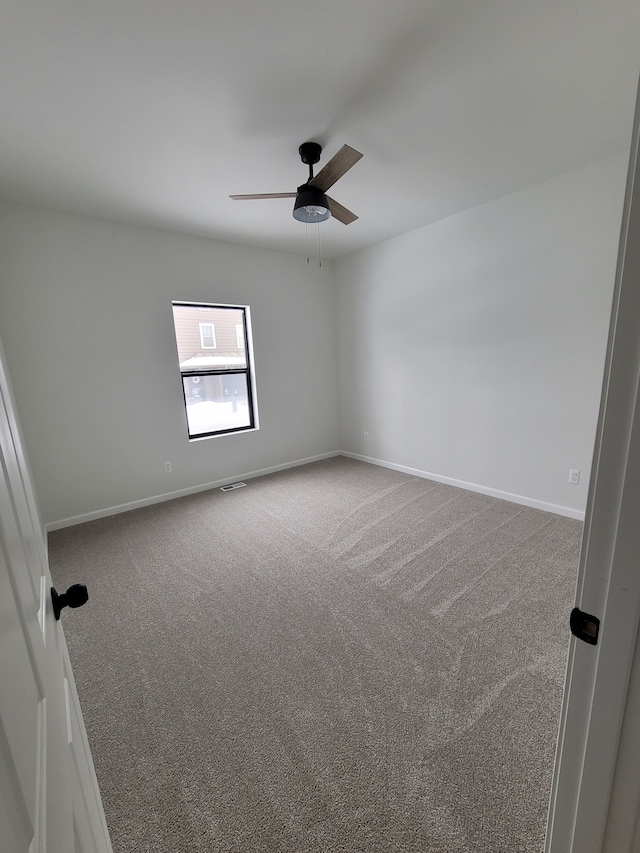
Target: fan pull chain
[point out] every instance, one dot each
(306, 236)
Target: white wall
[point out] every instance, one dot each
(473, 349)
(86, 323)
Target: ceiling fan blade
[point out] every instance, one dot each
(339, 212)
(262, 195)
(335, 168)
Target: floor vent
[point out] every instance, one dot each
(232, 486)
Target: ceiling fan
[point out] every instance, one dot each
(312, 205)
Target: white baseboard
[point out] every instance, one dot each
(473, 487)
(169, 496)
(180, 493)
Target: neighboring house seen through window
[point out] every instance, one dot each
(214, 349)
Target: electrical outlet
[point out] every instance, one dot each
(167, 467)
(366, 436)
(574, 476)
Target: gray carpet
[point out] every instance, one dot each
(338, 657)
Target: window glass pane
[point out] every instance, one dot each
(201, 328)
(216, 403)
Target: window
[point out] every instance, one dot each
(207, 335)
(218, 387)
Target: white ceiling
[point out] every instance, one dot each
(155, 111)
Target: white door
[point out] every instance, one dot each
(595, 804)
(49, 799)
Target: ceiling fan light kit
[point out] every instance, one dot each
(311, 205)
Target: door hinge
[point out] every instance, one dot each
(584, 626)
